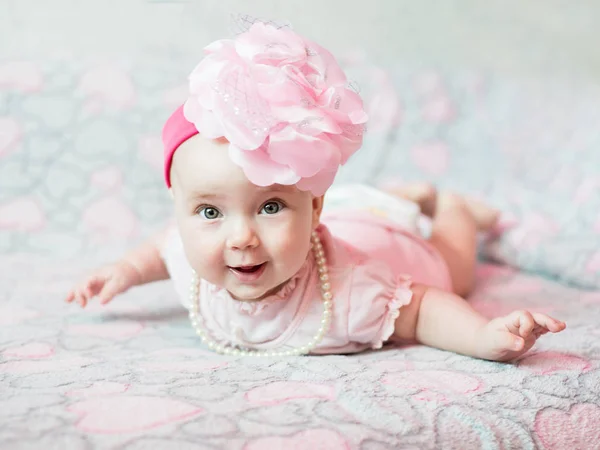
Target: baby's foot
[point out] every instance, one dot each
(506, 338)
(485, 216)
(423, 194)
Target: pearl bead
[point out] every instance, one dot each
(321, 263)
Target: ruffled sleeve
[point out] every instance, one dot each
(376, 296)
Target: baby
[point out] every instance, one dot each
(263, 268)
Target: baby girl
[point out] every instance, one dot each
(263, 268)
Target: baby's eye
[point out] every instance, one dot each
(210, 213)
(272, 207)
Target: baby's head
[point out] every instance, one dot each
(249, 156)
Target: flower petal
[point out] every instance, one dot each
(305, 154)
(325, 63)
(205, 121)
(349, 141)
(317, 184)
(282, 103)
(245, 116)
(344, 105)
(260, 169)
(264, 44)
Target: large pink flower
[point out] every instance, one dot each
(283, 104)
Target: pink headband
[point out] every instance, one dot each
(176, 131)
(280, 100)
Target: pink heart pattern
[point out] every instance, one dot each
(130, 414)
(545, 363)
(575, 429)
(283, 391)
(32, 350)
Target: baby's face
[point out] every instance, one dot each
(248, 239)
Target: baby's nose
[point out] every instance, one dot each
(242, 237)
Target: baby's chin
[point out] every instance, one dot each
(254, 294)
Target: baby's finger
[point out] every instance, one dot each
(80, 299)
(70, 297)
(503, 341)
(109, 291)
(84, 292)
(88, 293)
(539, 331)
(510, 341)
(548, 322)
(94, 285)
(523, 323)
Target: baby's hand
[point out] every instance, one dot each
(105, 283)
(508, 337)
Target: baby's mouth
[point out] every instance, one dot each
(247, 269)
(249, 273)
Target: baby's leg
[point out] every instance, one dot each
(454, 235)
(455, 223)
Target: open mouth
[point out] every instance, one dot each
(248, 273)
(248, 269)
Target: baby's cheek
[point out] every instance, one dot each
(294, 247)
(202, 253)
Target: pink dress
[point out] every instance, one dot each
(372, 262)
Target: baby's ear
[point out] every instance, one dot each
(317, 209)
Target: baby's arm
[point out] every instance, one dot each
(139, 266)
(446, 321)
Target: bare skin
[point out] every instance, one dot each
(434, 317)
(455, 224)
(140, 266)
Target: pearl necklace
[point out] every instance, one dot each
(326, 295)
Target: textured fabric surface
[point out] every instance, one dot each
(83, 97)
(527, 145)
(80, 154)
(132, 375)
